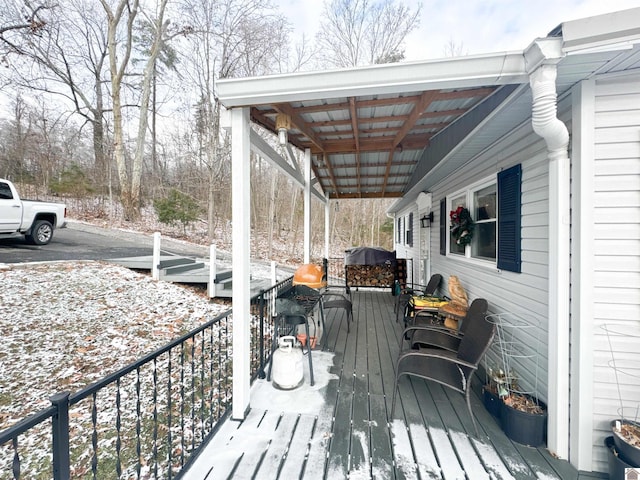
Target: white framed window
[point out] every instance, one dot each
(480, 199)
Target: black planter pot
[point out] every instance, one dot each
(522, 427)
(630, 453)
(617, 463)
(492, 402)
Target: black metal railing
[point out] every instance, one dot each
(147, 420)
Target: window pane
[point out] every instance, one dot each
(484, 201)
(484, 241)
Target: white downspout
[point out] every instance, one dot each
(542, 58)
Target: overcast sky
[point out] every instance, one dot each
(477, 26)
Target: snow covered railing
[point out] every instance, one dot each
(148, 419)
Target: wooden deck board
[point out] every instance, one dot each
(299, 447)
(430, 435)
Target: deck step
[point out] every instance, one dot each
(224, 277)
(187, 267)
(175, 262)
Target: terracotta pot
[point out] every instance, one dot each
(302, 338)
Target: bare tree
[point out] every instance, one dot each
(120, 35)
(66, 60)
(453, 49)
(363, 32)
(230, 38)
(18, 19)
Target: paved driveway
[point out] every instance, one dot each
(86, 242)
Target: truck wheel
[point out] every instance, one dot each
(41, 233)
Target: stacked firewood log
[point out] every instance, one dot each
(382, 275)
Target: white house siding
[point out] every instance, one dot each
(616, 254)
(525, 294)
(522, 294)
(403, 250)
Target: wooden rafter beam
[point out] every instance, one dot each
(468, 93)
(383, 163)
(298, 122)
(348, 195)
(353, 113)
(419, 107)
(375, 144)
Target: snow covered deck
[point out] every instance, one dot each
(342, 428)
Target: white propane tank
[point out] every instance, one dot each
(287, 369)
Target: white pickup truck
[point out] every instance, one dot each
(33, 219)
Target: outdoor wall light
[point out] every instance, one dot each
(426, 220)
(283, 124)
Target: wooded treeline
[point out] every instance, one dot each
(112, 102)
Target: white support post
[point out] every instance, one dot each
(212, 271)
(327, 227)
(274, 276)
(241, 297)
(307, 205)
(155, 267)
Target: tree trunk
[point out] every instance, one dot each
(148, 75)
(273, 196)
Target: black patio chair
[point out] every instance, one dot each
(330, 299)
(428, 332)
(451, 369)
(402, 300)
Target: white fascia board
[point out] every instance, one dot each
(602, 30)
(260, 146)
(394, 78)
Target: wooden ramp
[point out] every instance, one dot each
(179, 269)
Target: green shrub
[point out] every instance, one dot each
(72, 181)
(177, 208)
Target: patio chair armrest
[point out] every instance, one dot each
(438, 354)
(434, 328)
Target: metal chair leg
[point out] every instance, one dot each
(306, 326)
(473, 419)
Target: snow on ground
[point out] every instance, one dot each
(65, 325)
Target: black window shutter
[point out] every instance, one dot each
(410, 234)
(399, 234)
(443, 226)
(509, 218)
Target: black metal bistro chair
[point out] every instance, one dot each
(330, 299)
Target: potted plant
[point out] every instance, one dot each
(524, 419)
(523, 416)
(625, 429)
(626, 439)
(494, 385)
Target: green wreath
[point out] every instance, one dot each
(461, 226)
